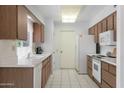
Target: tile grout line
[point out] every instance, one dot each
(52, 80)
(69, 79)
(61, 79)
(78, 79)
(88, 82)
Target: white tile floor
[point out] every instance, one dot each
(68, 78)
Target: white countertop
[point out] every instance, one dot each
(31, 62)
(92, 54)
(109, 60)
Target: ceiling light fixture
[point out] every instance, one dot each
(70, 13)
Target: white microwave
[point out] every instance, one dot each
(107, 38)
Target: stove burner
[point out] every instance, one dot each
(98, 56)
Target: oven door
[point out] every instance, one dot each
(97, 70)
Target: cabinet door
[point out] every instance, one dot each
(8, 22)
(96, 34)
(115, 24)
(100, 28)
(42, 33)
(110, 22)
(104, 25)
(37, 34)
(91, 31)
(22, 23)
(43, 77)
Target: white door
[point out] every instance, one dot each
(67, 49)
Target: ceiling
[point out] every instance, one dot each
(87, 12)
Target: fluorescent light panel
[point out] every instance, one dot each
(70, 13)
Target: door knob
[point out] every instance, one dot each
(61, 51)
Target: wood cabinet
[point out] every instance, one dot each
(108, 75)
(104, 25)
(91, 31)
(38, 33)
(89, 66)
(13, 22)
(108, 23)
(22, 23)
(99, 28)
(115, 25)
(16, 77)
(96, 36)
(46, 70)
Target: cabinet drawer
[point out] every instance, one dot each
(44, 62)
(89, 58)
(109, 78)
(105, 66)
(105, 85)
(112, 69)
(89, 64)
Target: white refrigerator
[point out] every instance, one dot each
(84, 45)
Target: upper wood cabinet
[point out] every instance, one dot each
(110, 22)
(22, 23)
(91, 31)
(115, 24)
(13, 22)
(38, 33)
(104, 25)
(96, 37)
(100, 27)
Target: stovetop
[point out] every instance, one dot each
(98, 56)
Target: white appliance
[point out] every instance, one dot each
(84, 45)
(107, 38)
(96, 66)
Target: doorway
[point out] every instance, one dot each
(67, 53)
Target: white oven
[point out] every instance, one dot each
(96, 66)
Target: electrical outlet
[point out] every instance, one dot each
(13, 48)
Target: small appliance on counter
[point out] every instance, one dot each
(39, 50)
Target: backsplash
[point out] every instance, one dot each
(105, 49)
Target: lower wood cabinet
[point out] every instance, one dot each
(46, 70)
(89, 66)
(16, 77)
(108, 75)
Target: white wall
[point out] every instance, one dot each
(100, 16)
(49, 32)
(120, 46)
(8, 52)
